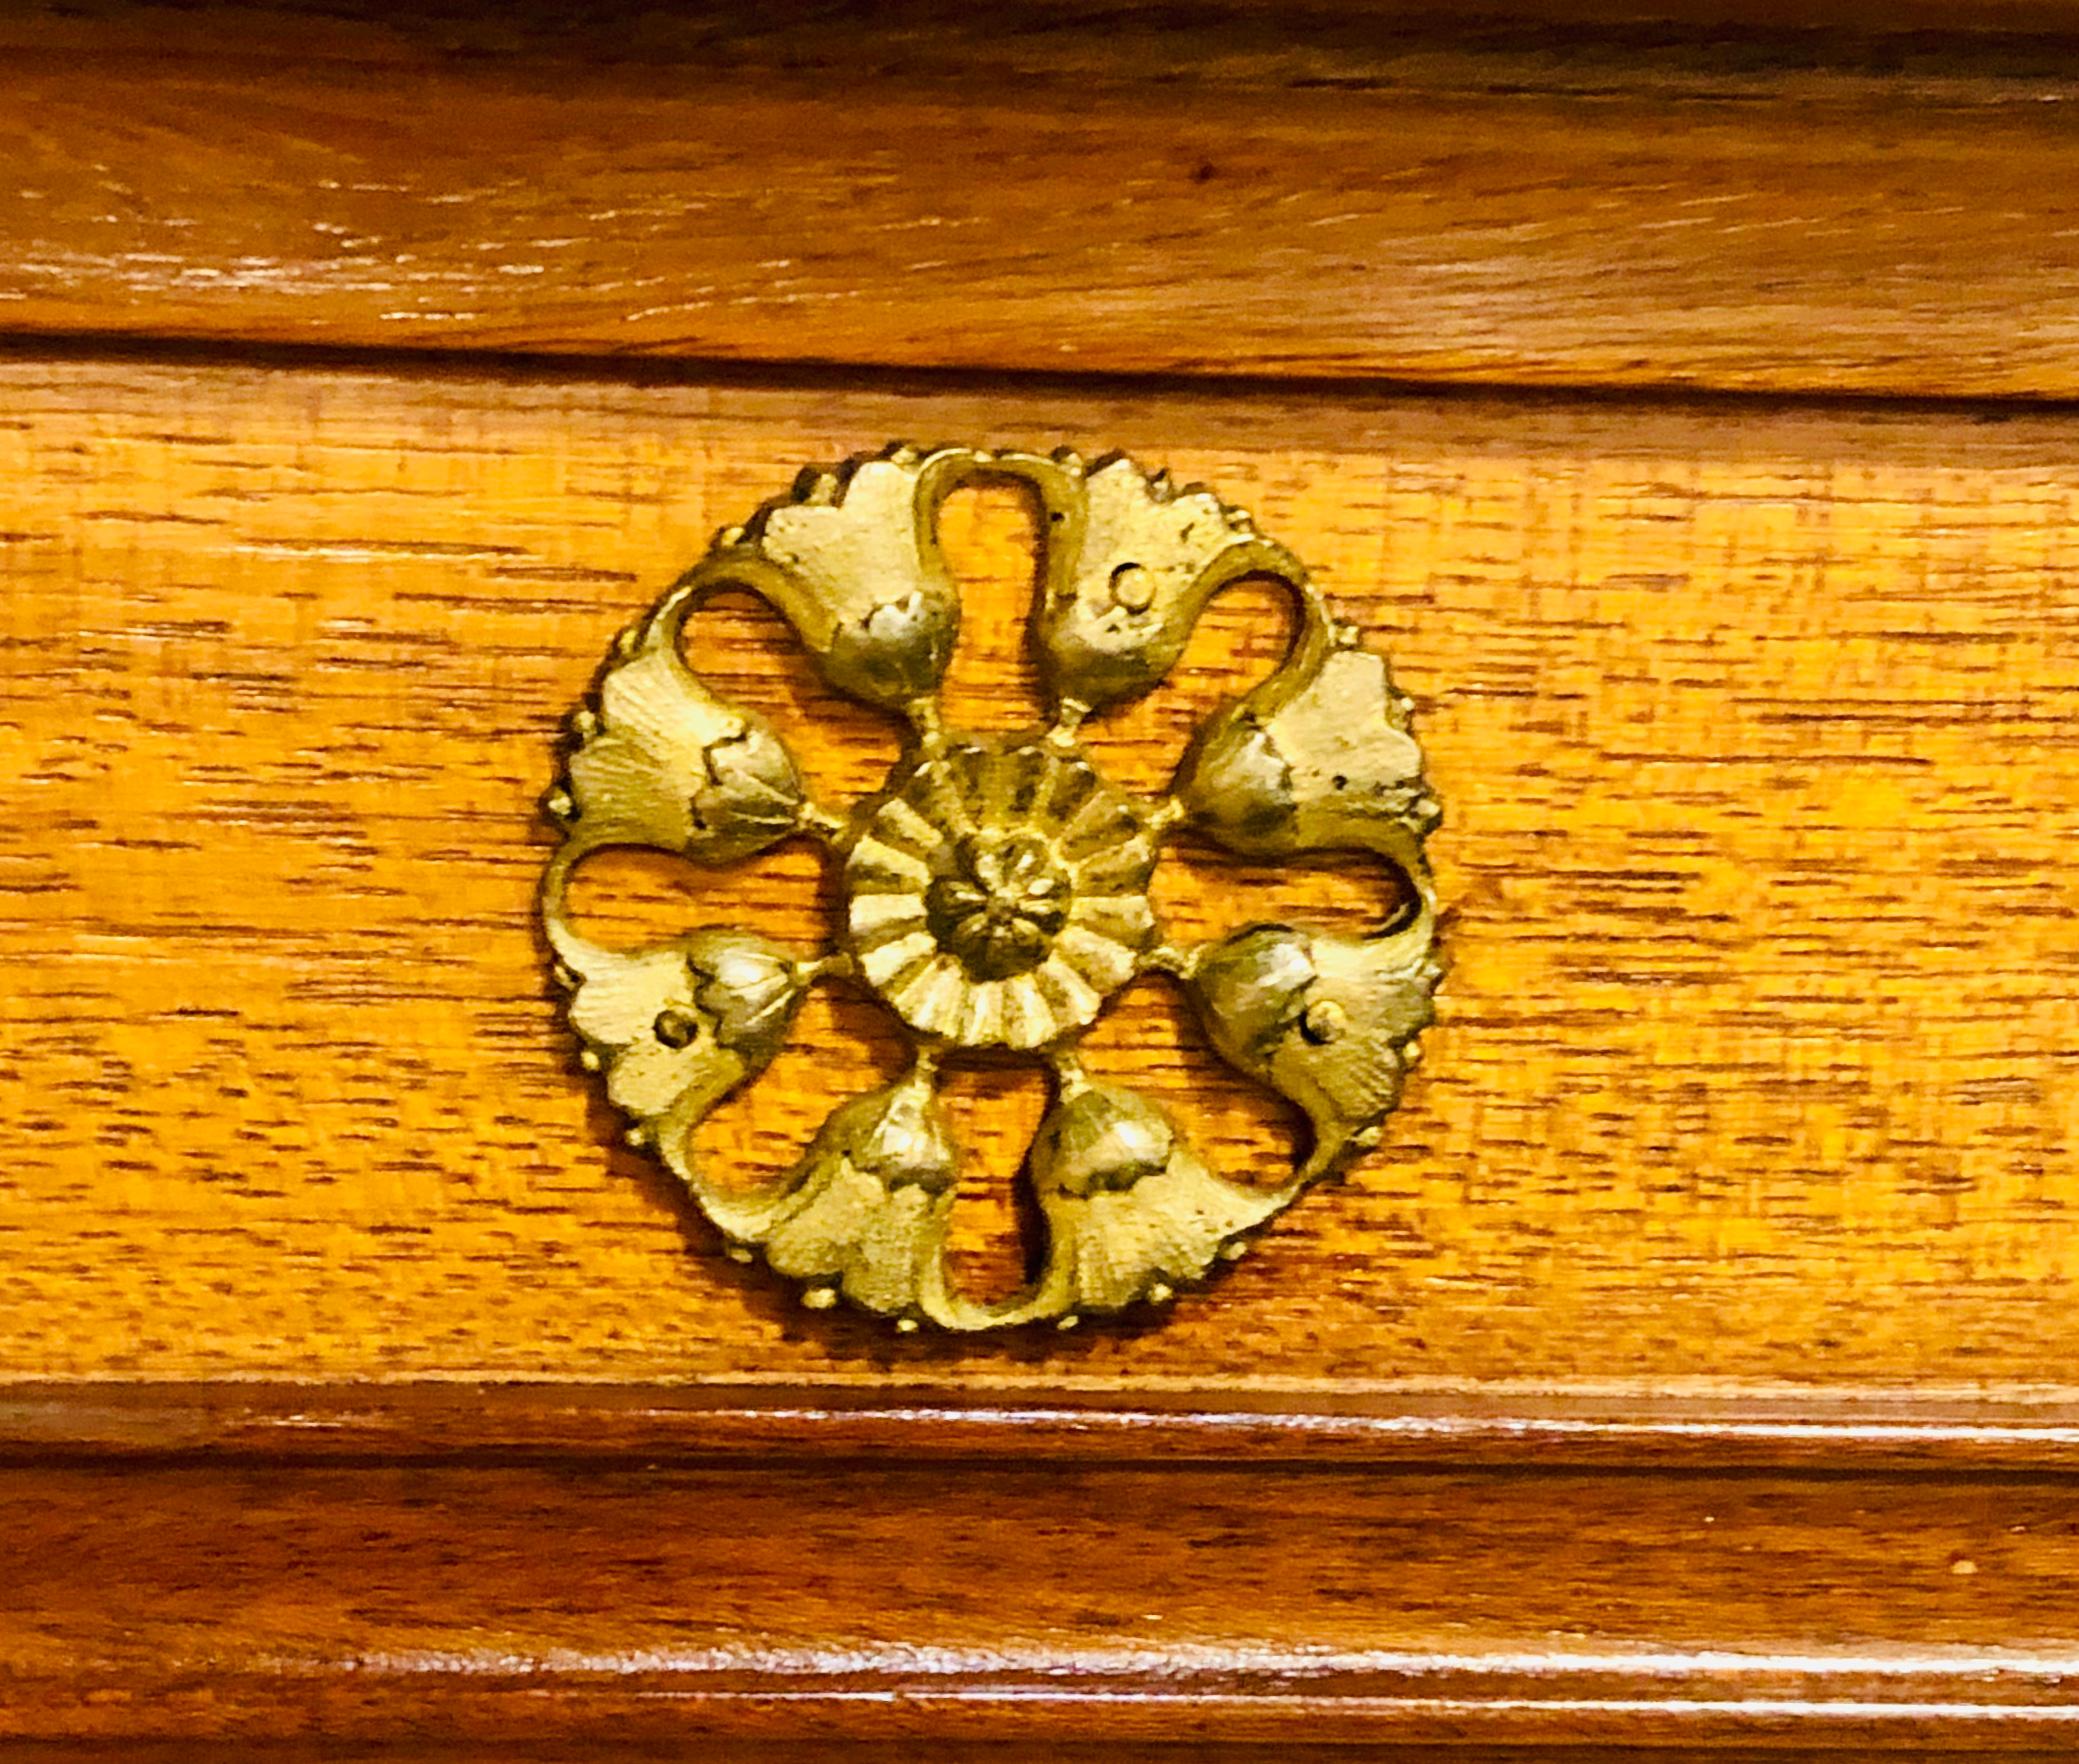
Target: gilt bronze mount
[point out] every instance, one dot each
(996, 888)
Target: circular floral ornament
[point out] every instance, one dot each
(996, 888)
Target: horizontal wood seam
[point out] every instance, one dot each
(148, 350)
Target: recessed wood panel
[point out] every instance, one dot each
(1754, 1062)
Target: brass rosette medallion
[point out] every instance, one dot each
(995, 889)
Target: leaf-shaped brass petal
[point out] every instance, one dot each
(852, 561)
(864, 1212)
(1324, 1020)
(1319, 756)
(665, 762)
(1132, 1212)
(677, 1028)
(1130, 565)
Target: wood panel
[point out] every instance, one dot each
(1753, 1072)
(856, 1602)
(1852, 198)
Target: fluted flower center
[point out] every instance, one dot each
(998, 894)
(999, 904)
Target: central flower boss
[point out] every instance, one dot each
(999, 894)
(996, 888)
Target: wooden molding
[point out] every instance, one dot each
(1859, 199)
(562, 1566)
(169, 1425)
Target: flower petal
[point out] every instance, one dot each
(664, 762)
(864, 1212)
(1130, 565)
(676, 1028)
(1132, 1212)
(1326, 1021)
(1319, 756)
(852, 561)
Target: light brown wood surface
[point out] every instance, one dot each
(1854, 197)
(1753, 1067)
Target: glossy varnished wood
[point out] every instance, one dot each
(582, 1597)
(1850, 197)
(743, 1750)
(1688, 1376)
(633, 1425)
(740, 1750)
(1752, 1071)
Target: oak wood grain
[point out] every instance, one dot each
(1753, 1070)
(1855, 198)
(852, 1603)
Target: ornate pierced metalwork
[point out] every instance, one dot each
(996, 889)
